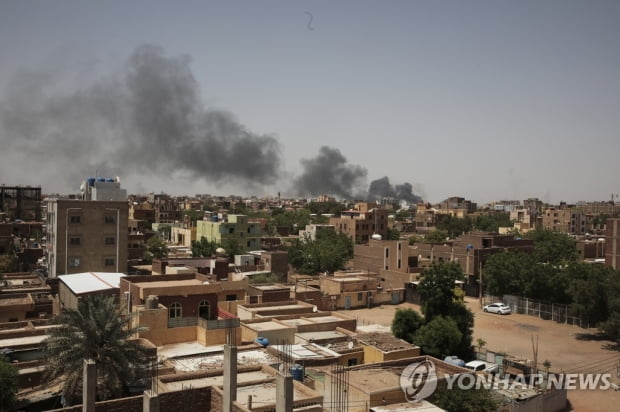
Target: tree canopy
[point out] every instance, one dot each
(406, 323)
(8, 383)
(328, 253)
(439, 337)
(100, 331)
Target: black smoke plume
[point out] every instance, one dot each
(381, 188)
(329, 173)
(147, 119)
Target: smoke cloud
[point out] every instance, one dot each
(382, 187)
(147, 119)
(329, 173)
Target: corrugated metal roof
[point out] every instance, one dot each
(92, 281)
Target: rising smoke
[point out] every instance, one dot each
(149, 118)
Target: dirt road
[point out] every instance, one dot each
(568, 348)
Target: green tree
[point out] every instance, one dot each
(492, 222)
(393, 234)
(232, 247)
(594, 292)
(414, 239)
(611, 327)
(508, 272)
(328, 253)
(8, 383)
(437, 288)
(436, 236)
(203, 247)
(454, 226)
(330, 207)
(164, 231)
(439, 338)
(156, 247)
(553, 247)
(464, 400)
(100, 331)
(405, 324)
(8, 263)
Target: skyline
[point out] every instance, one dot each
(478, 99)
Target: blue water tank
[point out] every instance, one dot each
(264, 342)
(214, 218)
(91, 181)
(297, 372)
(110, 180)
(101, 179)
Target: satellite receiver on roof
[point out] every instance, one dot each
(315, 309)
(350, 344)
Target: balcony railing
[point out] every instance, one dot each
(182, 322)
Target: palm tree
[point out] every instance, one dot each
(100, 331)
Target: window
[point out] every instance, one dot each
(175, 310)
(360, 296)
(231, 230)
(352, 362)
(387, 252)
(230, 298)
(75, 219)
(75, 241)
(249, 243)
(204, 309)
(110, 240)
(108, 261)
(109, 219)
(74, 262)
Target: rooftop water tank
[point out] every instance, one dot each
(91, 181)
(297, 372)
(152, 302)
(264, 342)
(101, 179)
(110, 180)
(214, 218)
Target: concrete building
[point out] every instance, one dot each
(382, 347)
(567, 220)
(178, 308)
(85, 236)
(233, 228)
(20, 202)
(311, 231)
(612, 244)
(360, 223)
(71, 288)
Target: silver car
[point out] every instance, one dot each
(498, 308)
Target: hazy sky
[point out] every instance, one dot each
(484, 99)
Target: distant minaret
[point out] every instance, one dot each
(279, 202)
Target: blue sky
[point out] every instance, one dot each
(483, 99)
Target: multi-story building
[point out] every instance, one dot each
(88, 235)
(566, 220)
(232, 228)
(20, 203)
(612, 243)
(312, 230)
(360, 223)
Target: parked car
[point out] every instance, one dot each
(498, 308)
(482, 366)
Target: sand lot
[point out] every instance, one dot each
(568, 348)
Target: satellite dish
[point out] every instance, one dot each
(315, 309)
(350, 344)
(281, 367)
(377, 236)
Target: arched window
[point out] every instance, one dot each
(175, 310)
(204, 309)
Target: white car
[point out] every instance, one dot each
(481, 366)
(498, 308)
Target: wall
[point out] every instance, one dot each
(216, 336)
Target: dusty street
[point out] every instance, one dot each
(568, 348)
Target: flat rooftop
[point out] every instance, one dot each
(323, 335)
(263, 326)
(91, 281)
(216, 361)
(296, 322)
(218, 380)
(22, 341)
(270, 287)
(176, 350)
(386, 342)
(168, 283)
(325, 319)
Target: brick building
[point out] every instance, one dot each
(360, 223)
